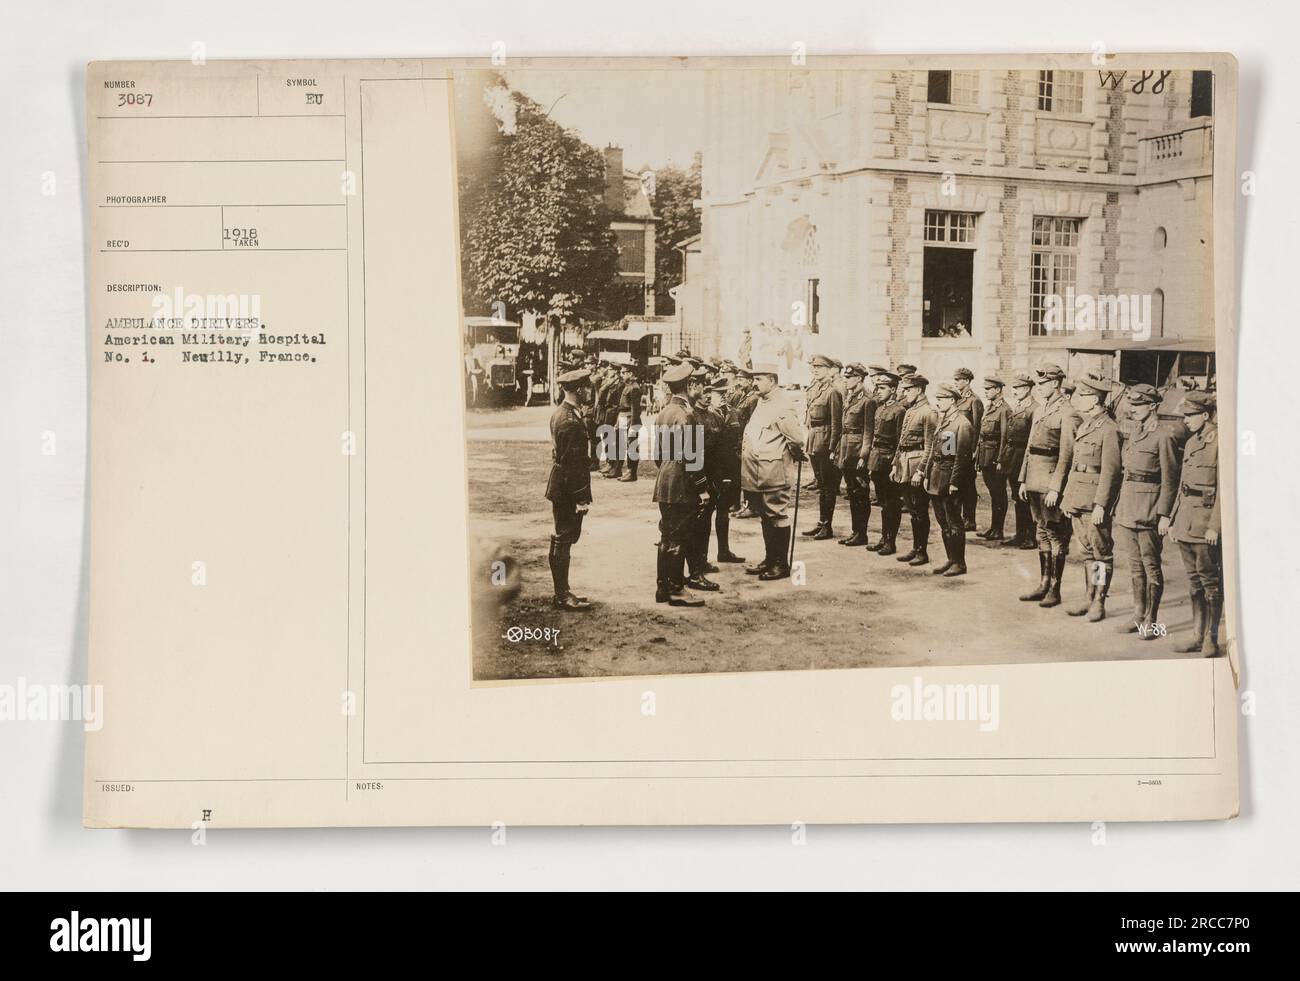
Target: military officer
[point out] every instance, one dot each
(859, 414)
(711, 425)
(915, 437)
(727, 461)
(568, 487)
(992, 446)
(825, 422)
(1020, 417)
(747, 400)
(628, 422)
(943, 473)
(773, 442)
(969, 403)
(1092, 492)
(879, 454)
(1197, 525)
(678, 490)
(1042, 481)
(1146, 500)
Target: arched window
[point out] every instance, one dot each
(1158, 312)
(1161, 238)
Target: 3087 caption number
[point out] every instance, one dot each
(134, 99)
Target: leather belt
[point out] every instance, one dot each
(1044, 451)
(1195, 491)
(1087, 468)
(1018, 443)
(1142, 477)
(910, 447)
(854, 432)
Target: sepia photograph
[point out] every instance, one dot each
(820, 368)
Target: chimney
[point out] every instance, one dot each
(614, 179)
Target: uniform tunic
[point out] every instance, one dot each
(1095, 474)
(1150, 461)
(677, 489)
(766, 460)
(569, 482)
(915, 437)
(1197, 511)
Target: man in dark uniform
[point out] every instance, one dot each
(945, 467)
(859, 414)
(825, 422)
(968, 403)
(1197, 524)
(1042, 481)
(879, 454)
(915, 436)
(1146, 500)
(678, 490)
(1020, 417)
(993, 432)
(727, 458)
(569, 486)
(1092, 492)
(629, 422)
(745, 399)
(710, 423)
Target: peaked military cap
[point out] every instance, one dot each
(1143, 395)
(677, 373)
(1197, 402)
(965, 373)
(571, 379)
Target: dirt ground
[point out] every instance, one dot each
(855, 610)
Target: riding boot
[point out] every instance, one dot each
(1213, 613)
(1044, 579)
(1056, 568)
(959, 548)
(1097, 612)
(1130, 626)
(722, 525)
(679, 597)
(780, 568)
(1154, 592)
(1193, 643)
(768, 551)
(947, 551)
(1089, 588)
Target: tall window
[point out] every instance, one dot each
(1054, 270)
(1202, 94)
(631, 250)
(813, 304)
(947, 274)
(954, 88)
(1060, 91)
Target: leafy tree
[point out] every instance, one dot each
(534, 229)
(676, 191)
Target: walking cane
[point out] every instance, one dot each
(794, 522)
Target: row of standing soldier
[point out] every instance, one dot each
(1065, 467)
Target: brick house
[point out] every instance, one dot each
(628, 196)
(928, 216)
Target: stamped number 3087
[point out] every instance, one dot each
(547, 635)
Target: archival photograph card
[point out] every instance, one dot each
(662, 441)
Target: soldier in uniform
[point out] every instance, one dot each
(773, 441)
(1092, 492)
(943, 472)
(1146, 500)
(569, 486)
(992, 447)
(1196, 524)
(825, 421)
(968, 402)
(859, 413)
(626, 406)
(1020, 417)
(1042, 481)
(727, 457)
(678, 490)
(711, 424)
(879, 454)
(746, 401)
(915, 437)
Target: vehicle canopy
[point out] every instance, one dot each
(633, 344)
(1172, 365)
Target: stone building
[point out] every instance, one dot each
(628, 197)
(931, 216)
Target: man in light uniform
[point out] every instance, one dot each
(1092, 492)
(772, 443)
(1042, 481)
(1196, 524)
(915, 436)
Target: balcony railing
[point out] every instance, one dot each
(1187, 149)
